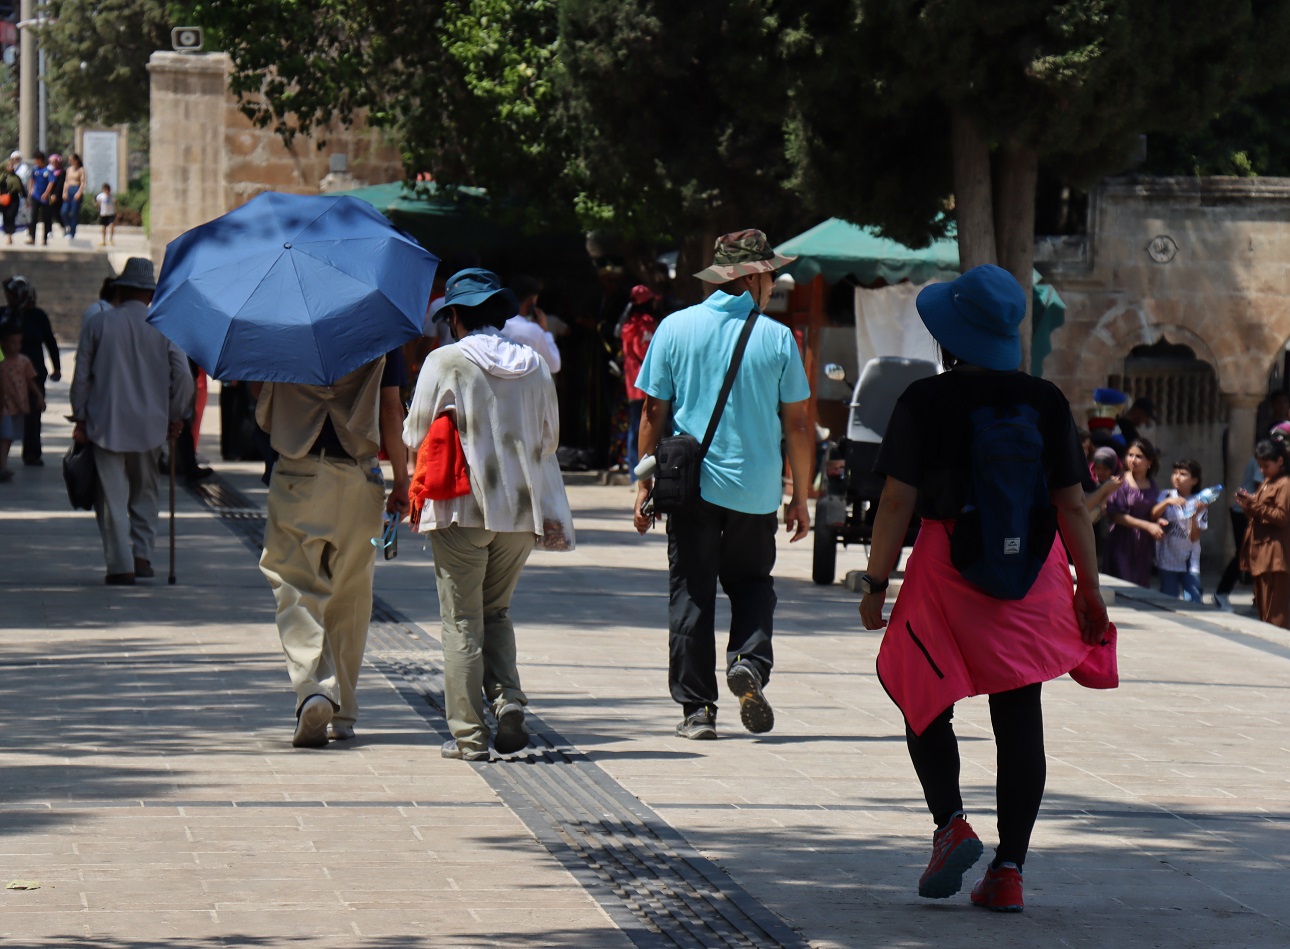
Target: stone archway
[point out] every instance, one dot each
(1189, 380)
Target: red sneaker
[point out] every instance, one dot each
(955, 847)
(1000, 889)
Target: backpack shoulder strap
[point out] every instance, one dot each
(729, 382)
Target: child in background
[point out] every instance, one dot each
(17, 391)
(1183, 518)
(1265, 553)
(107, 214)
(1131, 538)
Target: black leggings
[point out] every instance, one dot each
(1018, 721)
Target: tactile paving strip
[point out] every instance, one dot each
(657, 888)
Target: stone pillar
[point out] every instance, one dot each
(189, 94)
(1241, 412)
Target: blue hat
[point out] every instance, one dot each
(976, 315)
(472, 287)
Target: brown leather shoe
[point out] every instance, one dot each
(119, 579)
(143, 568)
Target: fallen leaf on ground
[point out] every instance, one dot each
(23, 885)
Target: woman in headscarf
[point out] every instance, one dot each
(948, 638)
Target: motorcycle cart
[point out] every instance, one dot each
(848, 500)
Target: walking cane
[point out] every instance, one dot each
(171, 579)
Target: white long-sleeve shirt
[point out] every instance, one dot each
(523, 330)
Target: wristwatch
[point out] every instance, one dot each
(869, 585)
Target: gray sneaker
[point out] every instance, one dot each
(340, 731)
(450, 750)
(1221, 601)
(511, 735)
(754, 711)
(700, 725)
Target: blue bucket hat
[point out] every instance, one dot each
(472, 287)
(976, 316)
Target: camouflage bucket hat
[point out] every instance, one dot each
(742, 253)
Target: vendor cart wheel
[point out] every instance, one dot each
(824, 561)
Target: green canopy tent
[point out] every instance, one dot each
(837, 249)
(444, 221)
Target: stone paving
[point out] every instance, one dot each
(148, 784)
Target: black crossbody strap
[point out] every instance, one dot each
(729, 381)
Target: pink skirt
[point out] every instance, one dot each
(947, 640)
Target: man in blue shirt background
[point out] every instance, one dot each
(41, 176)
(730, 534)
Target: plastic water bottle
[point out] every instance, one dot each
(1210, 495)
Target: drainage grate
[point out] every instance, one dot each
(657, 888)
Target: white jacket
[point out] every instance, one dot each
(502, 397)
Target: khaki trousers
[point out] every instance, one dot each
(319, 559)
(125, 505)
(476, 571)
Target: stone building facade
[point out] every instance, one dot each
(1168, 263)
(208, 158)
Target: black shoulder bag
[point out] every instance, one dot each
(680, 457)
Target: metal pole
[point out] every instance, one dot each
(43, 134)
(27, 82)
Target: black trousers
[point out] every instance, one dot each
(31, 425)
(708, 544)
(1233, 572)
(38, 213)
(1018, 721)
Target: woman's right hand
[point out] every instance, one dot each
(1154, 529)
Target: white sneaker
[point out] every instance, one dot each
(1220, 601)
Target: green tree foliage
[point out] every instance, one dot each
(1252, 138)
(1076, 81)
(679, 109)
(97, 56)
(465, 86)
(900, 103)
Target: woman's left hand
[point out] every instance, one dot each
(871, 610)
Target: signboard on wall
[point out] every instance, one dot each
(101, 155)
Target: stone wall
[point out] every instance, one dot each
(208, 158)
(66, 283)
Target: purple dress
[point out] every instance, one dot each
(1130, 551)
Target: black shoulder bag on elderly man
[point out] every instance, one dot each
(680, 457)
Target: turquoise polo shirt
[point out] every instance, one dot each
(685, 365)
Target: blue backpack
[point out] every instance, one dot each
(1004, 533)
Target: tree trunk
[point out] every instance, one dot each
(695, 254)
(1017, 169)
(973, 193)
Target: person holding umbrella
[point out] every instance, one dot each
(325, 498)
(129, 394)
(304, 296)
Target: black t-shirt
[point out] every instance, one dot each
(929, 438)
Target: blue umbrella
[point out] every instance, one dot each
(293, 288)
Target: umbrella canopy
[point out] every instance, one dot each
(293, 288)
(837, 249)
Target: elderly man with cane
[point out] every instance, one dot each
(130, 392)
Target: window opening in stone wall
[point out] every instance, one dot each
(1183, 387)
